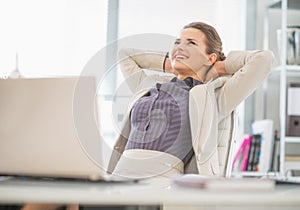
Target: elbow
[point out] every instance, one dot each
(265, 59)
(123, 53)
(269, 58)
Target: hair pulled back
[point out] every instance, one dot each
(213, 40)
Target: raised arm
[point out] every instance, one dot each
(133, 61)
(249, 69)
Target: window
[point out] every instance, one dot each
(52, 38)
(167, 18)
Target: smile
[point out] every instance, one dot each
(180, 57)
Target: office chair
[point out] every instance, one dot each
(226, 142)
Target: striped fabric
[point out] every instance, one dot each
(160, 120)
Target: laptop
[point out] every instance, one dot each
(49, 128)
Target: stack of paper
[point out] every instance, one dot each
(220, 183)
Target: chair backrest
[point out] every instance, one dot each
(229, 143)
(226, 143)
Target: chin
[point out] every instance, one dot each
(180, 67)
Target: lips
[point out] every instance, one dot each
(180, 57)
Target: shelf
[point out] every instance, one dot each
(292, 4)
(284, 72)
(290, 70)
(292, 139)
(295, 68)
(292, 158)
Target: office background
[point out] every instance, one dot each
(58, 37)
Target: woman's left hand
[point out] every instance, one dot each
(220, 68)
(216, 71)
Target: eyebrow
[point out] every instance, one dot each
(189, 39)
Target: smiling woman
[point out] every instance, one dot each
(196, 51)
(179, 117)
(136, 18)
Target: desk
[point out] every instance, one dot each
(86, 193)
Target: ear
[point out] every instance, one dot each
(212, 58)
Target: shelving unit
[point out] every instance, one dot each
(283, 69)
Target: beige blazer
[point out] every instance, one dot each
(209, 103)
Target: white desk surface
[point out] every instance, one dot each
(14, 191)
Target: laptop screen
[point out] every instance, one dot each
(49, 127)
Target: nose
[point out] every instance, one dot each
(179, 47)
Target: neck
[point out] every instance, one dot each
(198, 75)
(184, 76)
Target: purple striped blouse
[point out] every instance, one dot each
(160, 119)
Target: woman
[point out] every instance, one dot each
(179, 117)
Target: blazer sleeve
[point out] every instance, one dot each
(249, 69)
(133, 61)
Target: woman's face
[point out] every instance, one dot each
(188, 55)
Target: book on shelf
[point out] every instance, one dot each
(275, 153)
(249, 151)
(256, 150)
(292, 110)
(254, 153)
(265, 129)
(241, 157)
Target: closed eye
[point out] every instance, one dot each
(192, 42)
(177, 41)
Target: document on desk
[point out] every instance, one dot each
(221, 183)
